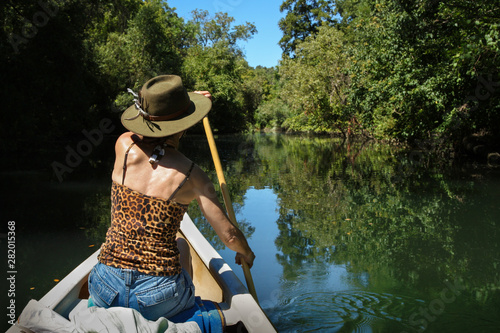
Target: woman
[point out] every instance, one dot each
(153, 183)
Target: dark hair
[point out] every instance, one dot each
(155, 141)
(160, 140)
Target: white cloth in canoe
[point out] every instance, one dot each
(41, 319)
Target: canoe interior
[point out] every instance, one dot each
(205, 284)
(213, 279)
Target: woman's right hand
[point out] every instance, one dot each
(205, 93)
(247, 258)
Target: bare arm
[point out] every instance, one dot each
(211, 208)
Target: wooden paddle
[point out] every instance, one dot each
(227, 200)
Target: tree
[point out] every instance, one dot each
(216, 63)
(303, 19)
(315, 82)
(48, 74)
(414, 70)
(152, 44)
(415, 66)
(212, 31)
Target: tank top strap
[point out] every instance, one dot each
(125, 161)
(183, 182)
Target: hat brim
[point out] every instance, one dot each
(199, 108)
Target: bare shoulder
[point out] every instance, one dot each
(124, 141)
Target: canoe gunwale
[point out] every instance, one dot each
(237, 297)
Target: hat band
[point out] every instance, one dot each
(147, 116)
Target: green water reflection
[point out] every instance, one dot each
(349, 237)
(419, 241)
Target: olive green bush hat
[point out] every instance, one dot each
(163, 107)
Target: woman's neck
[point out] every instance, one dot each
(170, 141)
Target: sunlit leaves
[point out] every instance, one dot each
(216, 64)
(409, 64)
(149, 46)
(415, 62)
(218, 29)
(303, 18)
(314, 82)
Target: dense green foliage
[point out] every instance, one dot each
(408, 70)
(67, 64)
(303, 18)
(216, 63)
(314, 83)
(391, 69)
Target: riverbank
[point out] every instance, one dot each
(482, 148)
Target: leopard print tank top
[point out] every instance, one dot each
(143, 230)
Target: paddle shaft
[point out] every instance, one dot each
(227, 199)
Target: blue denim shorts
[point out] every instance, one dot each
(152, 296)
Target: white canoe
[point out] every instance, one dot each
(213, 278)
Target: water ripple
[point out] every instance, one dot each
(345, 311)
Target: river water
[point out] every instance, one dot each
(349, 237)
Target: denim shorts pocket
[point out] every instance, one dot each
(102, 293)
(160, 300)
(158, 294)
